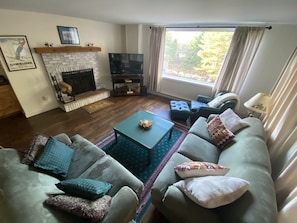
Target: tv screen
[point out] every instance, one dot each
(125, 63)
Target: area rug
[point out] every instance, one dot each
(97, 106)
(134, 158)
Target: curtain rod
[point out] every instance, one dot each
(195, 27)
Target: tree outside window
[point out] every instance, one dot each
(195, 55)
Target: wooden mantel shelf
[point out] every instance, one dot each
(66, 49)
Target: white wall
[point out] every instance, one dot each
(32, 87)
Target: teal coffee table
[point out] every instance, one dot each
(146, 138)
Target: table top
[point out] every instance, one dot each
(148, 138)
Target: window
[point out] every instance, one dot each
(195, 55)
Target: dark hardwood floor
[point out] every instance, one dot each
(18, 131)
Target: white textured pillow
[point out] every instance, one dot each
(232, 121)
(196, 169)
(213, 191)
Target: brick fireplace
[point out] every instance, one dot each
(59, 60)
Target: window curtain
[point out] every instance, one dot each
(157, 39)
(281, 129)
(281, 121)
(238, 59)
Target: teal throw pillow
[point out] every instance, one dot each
(55, 158)
(84, 188)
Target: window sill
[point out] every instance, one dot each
(185, 80)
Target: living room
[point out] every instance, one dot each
(36, 95)
(276, 46)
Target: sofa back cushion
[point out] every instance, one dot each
(198, 149)
(85, 155)
(107, 169)
(199, 129)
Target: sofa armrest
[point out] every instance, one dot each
(123, 206)
(181, 209)
(62, 137)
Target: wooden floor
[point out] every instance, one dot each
(17, 131)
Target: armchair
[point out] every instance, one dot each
(204, 105)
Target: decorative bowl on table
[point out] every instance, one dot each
(145, 124)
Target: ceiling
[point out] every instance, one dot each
(166, 12)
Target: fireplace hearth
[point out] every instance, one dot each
(80, 80)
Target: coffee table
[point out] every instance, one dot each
(146, 138)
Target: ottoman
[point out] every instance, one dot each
(179, 110)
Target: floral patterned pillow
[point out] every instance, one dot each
(198, 169)
(94, 210)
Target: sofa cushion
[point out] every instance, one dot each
(35, 149)
(255, 129)
(232, 121)
(218, 132)
(107, 169)
(198, 149)
(55, 158)
(85, 155)
(250, 151)
(213, 191)
(94, 210)
(197, 169)
(199, 129)
(85, 188)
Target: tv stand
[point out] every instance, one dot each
(126, 84)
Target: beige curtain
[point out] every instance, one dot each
(280, 125)
(239, 57)
(282, 119)
(157, 39)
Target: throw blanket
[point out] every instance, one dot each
(222, 98)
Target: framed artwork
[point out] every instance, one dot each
(16, 52)
(68, 35)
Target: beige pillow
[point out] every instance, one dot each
(232, 121)
(196, 169)
(213, 191)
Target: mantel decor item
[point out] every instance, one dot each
(16, 52)
(68, 35)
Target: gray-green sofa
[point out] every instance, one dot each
(247, 157)
(23, 188)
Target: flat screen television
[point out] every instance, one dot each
(126, 63)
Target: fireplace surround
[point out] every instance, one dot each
(59, 60)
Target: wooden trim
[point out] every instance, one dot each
(66, 49)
